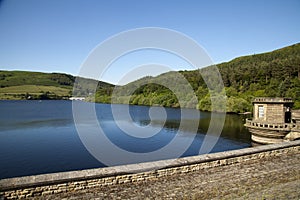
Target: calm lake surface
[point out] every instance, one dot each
(39, 137)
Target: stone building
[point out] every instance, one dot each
(273, 110)
(273, 121)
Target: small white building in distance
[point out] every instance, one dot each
(77, 98)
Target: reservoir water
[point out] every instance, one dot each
(39, 137)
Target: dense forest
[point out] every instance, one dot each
(272, 74)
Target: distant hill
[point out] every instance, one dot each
(272, 74)
(38, 85)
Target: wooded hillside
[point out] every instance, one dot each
(272, 74)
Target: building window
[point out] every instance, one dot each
(261, 112)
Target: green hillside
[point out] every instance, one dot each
(37, 85)
(272, 74)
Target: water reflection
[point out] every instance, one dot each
(40, 137)
(35, 124)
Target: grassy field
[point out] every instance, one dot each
(37, 85)
(33, 91)
(15, 78)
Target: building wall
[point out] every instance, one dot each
(272, 113)
(275, 113)
(296, 116)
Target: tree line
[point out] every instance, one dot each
(272, 74)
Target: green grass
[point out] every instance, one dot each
(14, 78)
(37, 85)
(20, 92)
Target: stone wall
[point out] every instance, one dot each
(40, 185)
(296, 116)
(275, 113)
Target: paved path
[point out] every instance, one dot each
(272, 178)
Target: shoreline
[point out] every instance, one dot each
(218, 112)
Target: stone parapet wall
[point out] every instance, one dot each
(270, 126)
(41, 185)
(273, 100)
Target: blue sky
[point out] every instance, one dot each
(58, 35)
